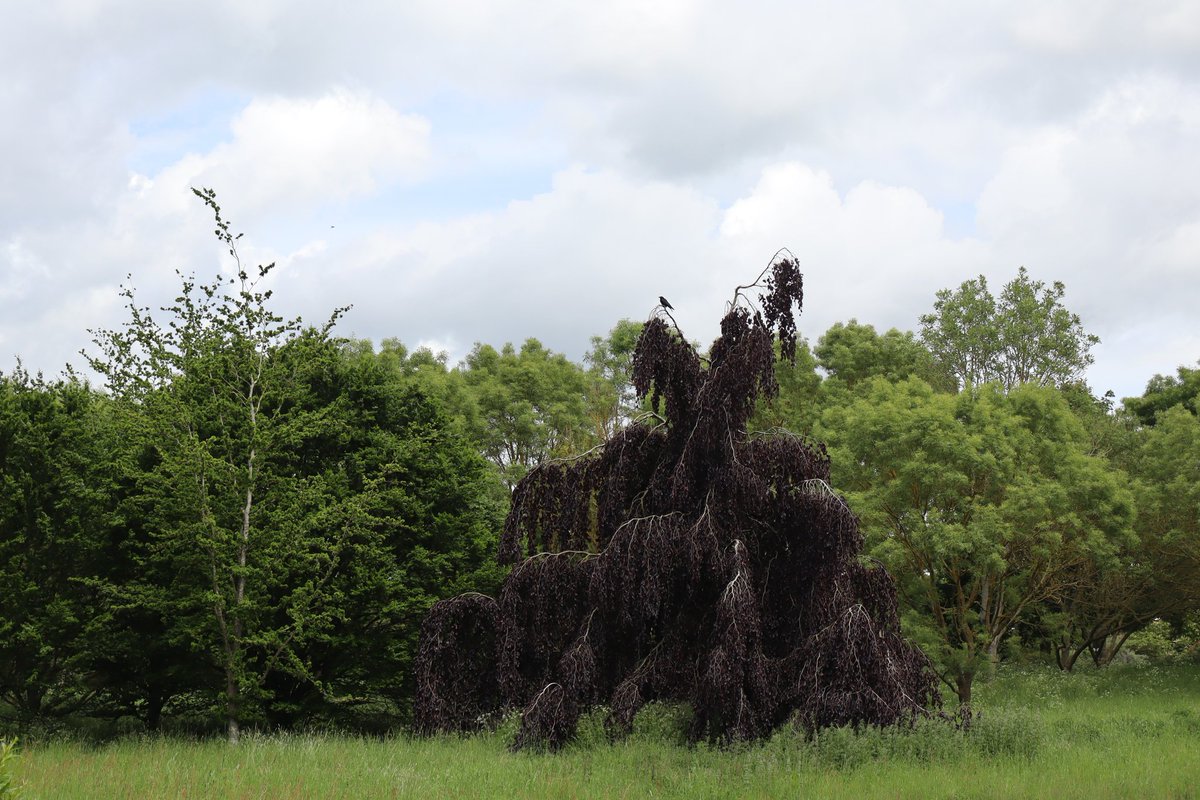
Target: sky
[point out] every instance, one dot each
(463, 172)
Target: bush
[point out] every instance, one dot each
(663, 722)
(1160, 642)
(1153, 641)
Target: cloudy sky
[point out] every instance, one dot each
(483, 171)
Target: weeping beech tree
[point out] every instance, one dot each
(685, 559)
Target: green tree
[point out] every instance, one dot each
(531, 406)
(983, 504)
(391, 507)
(1164, 392)
(219, 407)
(418, 510)
(1025, 336)
(133, 653)
(798, 405)
(611, 400)
(53, 502)
(852, 353)
(1158, 574)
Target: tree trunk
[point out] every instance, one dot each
(962, 683)
(231, 706)
(154, 707)
(1108, 648)
(1066, 656)
(1066, 653)
(30, 706)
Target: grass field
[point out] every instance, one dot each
(1120, 732)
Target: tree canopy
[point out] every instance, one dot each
(530, 405)
(52, 512)
(985, 504)
(1164, 392)
(1024, 336)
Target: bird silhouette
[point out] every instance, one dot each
(662, 301)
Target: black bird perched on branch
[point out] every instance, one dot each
(662, 301)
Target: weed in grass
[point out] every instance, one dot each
(9, 788)
(1143, 727)
(662, 722)
(1007, 733)
(1186, 720)
(592, 732)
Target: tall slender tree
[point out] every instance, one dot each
(216, 403)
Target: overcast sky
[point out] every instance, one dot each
(485, 171)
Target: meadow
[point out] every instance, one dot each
(1125, 731)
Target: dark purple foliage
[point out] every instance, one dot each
(686, 560)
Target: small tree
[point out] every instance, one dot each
(10, 788)
(611, 399)
(685, 559)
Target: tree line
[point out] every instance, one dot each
(1015, 509)
(247, 522)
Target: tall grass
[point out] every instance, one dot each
(1112, 733)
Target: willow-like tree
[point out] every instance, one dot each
(684, 560)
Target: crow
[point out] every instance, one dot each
(662, 301)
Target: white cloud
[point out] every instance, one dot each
(597, 247)
(560, 266)
(877, 253)
(503, 170)
(1109, 204)
(286, 154)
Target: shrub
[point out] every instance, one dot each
(1162, 643)
(9, 788)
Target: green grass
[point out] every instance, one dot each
(1116, 733)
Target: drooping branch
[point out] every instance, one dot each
(690, 561)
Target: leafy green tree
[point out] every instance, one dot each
(531, 406)
(134, 655)
(852, 353)
(219, 408)
(53, 502)
(983, 504)
(611, 400)
(1164, 392)
(1158, 575)
(1167, 469)
(798, 405)
(1168, 464)
(418, 510)
(1025, 336)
